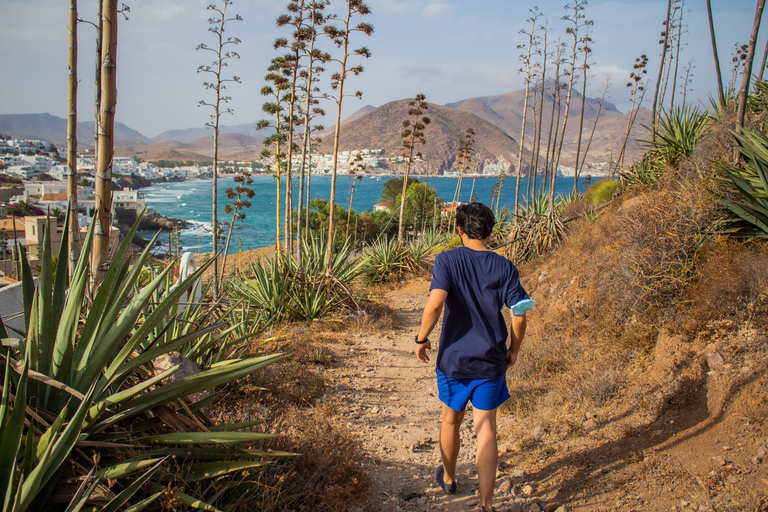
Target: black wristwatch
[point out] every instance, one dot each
(421, 342)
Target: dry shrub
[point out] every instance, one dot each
(715, 143)
(756, 402)
(576, 210)
(327, 474)
(732, 282)
(638, 336)
(595, 386)
(659, 239)
(533, 236)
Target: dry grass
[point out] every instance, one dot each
(326, 474)
(643, 266)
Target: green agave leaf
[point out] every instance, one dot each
(209, 452)
(206, 437)
(84, 492)
(195, 502)
(192, 384)
(109, 300)
(123, 469)
(128, 318)
(27, 287)
(62, 272)
(155, 351)
(64, 346)
(229, 427)
(11, 430)
(141, 505)
(45, 304)
(102, 347)
(204, 470)
(67, 439)
(126, 394)
(748, 215)
(126, 494)
(49, 436)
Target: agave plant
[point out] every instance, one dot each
(747, 202)
(81, 376)
(537, 206)
(676, 134)
(641, 174)
(534, 235)
(280, 288)
(386, 260)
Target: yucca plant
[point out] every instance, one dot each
(758, 100)
(82, 373)
(676, 134)
(747, 201)
(538, 205)
(641, 174)
(534, 235)
(280, 288)
(386, 260)
(504, 221)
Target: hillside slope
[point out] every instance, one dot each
(54, 129)
(381, 129)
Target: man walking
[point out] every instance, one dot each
(473, 284)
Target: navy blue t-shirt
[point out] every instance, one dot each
(474, 334)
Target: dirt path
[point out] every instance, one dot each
(702, 458)
(391, 402)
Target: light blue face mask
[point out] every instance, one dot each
(521, 307)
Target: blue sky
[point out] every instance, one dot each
(446, 49)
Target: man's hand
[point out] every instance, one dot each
(511, 358)
(421, 351)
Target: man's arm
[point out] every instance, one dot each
(428, 321)
(518, 331)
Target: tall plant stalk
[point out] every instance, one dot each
(678, 44)
(218, 85)
(103, 206)
(720, 93)
(747, 77)
(526, 58)
(72, 226)
(585, 48)
(465, 154)
(594, 127)
(340, 37)
(545, 28)
(276, 108)
(573, 31)
(664, 49)
(413, 134)
(635, 78)
(316, 18)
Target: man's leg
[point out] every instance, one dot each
(487, 454)
(450, 441)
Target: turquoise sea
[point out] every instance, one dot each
(191, 201)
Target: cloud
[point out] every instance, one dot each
(437, 9)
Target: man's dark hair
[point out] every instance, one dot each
(476, 220)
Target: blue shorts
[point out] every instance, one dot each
(485, 394)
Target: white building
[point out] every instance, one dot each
(24, 172)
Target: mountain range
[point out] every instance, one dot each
(496, 121)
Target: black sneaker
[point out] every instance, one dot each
(439, 474)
